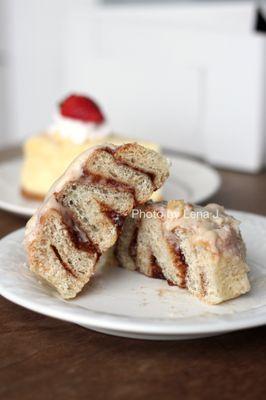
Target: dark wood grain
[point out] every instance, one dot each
(43, 358)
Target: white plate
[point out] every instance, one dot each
(125, 303)
(190, 180)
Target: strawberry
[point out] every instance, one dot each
(82, 108)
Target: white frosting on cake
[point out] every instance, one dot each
(76, 130)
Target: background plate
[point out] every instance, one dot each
(125, 303)
(190, 180)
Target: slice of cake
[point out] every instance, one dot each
(197, 248)
(78, 125)
(84, 211)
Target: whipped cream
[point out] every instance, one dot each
(76, 130)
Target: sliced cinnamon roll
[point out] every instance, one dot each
(197, 248)
(84, 211)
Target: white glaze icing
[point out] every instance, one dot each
(209, 225)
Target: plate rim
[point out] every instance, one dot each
(141, 325)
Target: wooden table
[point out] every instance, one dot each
(41, 358)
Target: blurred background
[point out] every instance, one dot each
(187, 74)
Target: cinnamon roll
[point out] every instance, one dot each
(85, 209)
(197, 248)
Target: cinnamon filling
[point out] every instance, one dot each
(170, 283)
(79, 238)
(151, 175)
(116, 218)
(108, 150)
(98, 179)
(133, 244)
(77, 234)
(62, 262)
(156, 270)
(180, 263)
(81, 241)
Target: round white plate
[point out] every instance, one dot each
(190, 180)
(129, 304)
